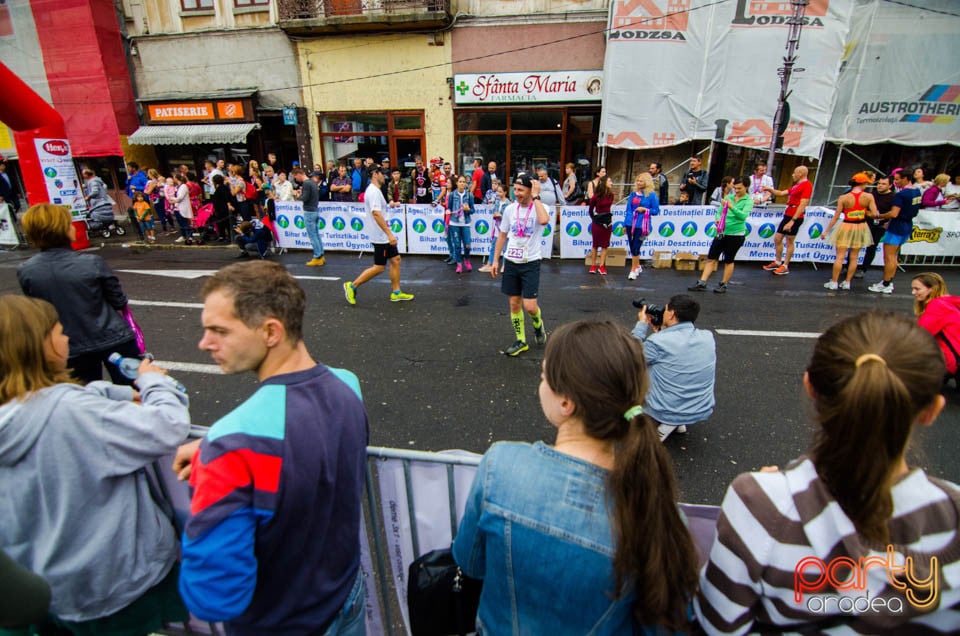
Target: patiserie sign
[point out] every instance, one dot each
(231, 110)
(537, 86)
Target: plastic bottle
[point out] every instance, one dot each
(130, 367)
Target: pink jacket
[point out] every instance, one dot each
(942, 315)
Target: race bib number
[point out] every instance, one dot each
(517, 254)
(421, 192)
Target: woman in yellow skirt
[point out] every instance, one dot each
(853, 233)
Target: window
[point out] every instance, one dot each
(395, 134)
(196, 5)
(245, 4)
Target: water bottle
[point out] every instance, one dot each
(130, 367)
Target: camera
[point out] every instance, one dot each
(654, 311)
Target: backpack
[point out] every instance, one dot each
(251, 191)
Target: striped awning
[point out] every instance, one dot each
(192, 134)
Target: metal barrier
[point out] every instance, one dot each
(414, 502)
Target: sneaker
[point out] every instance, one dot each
(783, 270)
(845, 286)
(459, 268)
(772, 265)
(664, 430)
(720, 289)
(180, 240)
(880, 288)
(593, 269)
(540, 335)
(317, 262)
(516, 348)
(486, 268)
(399, 296)
(350, 292)
(467, 266)
(603, 270)
(832, 286)
(858, 274)
(700, 286)
(632, 275)
(449, 261)
(639, 269)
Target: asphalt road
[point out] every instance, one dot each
(433, 377)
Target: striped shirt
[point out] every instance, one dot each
(773, 524)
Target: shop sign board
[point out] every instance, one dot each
(530, 87)
(204, 111)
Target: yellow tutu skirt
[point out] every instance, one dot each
(852, 235)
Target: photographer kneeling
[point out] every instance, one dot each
(682, 362)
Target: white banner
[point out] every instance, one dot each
(60, 175)
(919, 107)
(8, 232)
(935, 233)
(535, 86)
(427, 234)
(342, 226)
(688, 97)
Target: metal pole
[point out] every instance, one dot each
(785, 72)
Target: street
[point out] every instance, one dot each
(433, 376)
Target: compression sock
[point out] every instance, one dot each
(537, 319)
(518, 326)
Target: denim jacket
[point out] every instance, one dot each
(682, 362)
(536, 529)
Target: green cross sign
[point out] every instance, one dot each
(462, 88)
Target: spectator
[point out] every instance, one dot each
(601, 224)
(420, 178)
(155, 195)
(694, 182)
(798, 196)
(238, 188)
(253, 238)
(883, 197)
(933, 197)
(340, 187)
(476, 181)
(331, 174)
(593, 518)
(760, 185)
(302, 440)
(136, 180)
(486, 183)
(310, 197)
(283, 189)
(359, 178)
(224, 208)
(721, 191)
(84, 290)
(98, 201)
(592, 184)
(460, 209)
(571, 190)
(906, 204)
(498, 207)
(77, 507)
(398, 189)
(9, 192)
(183, 210)
(254, 188)
(731, 223)
(952, 194)
(938, 313)
(919, 180)
(682, 361)
(387, 174)
(660, 183)
(641, 205)
(144, 213)
(853, 233)
(550, 192)
(873, 378)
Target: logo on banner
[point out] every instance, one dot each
(766, 230)
(711, 229)
(757, 133)
(650, 20)
(299, 222)
(50, 172)
(283, 221)
(438, 226)
(546, 231)
(356, 224)
(481, 226)
(762, 13)
(419, 226)
(574, 229)
(749, 229)
(940, 104)
(396, 225)
(618, 228)
(925, 236)
(815, 231)
(688, 229)
(666, 229)
(338, 223)
(321, 224)
(58, 148)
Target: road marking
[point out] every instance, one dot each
(191, 274)
(156, 303)
(189, 367)
(767, 334)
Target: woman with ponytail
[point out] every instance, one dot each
(821, 546)
(582, 537)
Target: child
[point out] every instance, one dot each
(144, 212)
(459, 207)
(170, 195)
(498, 207)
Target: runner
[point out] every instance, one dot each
(384, 243)
(521, 230)
(798, 197)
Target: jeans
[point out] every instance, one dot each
(160, 207)
(312, 219)
(351, 621)
(186, 231)
(459, 238)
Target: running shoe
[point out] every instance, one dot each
(783, 270)
(399, 296)
(603, 270)
(540, 335)
(593, 270)
(858, 274)
(319, 261)
(459, 268)
(772, 265)
(700, 286)
(880, 288)
(350, 292)
(845, 286)
(832, 286)
(467, 266)
(632, 275)
(516, 348)
(720, 289)
(486, 268)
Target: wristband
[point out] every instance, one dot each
(537, 198)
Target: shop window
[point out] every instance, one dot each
(536, 120)
(398, 135)
(196, 5)
(482, 120)
(407, 122)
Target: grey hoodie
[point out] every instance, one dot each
(75, 506)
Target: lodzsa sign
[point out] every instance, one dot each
(532, 87)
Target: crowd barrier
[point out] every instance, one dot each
(413, 504)
(420, 230)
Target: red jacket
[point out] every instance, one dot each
(942, 315)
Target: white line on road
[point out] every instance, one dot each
(163, 303)
(191, 274)
(189, 367)
(767, 334)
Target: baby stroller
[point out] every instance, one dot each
(204, 229)
(101, 220)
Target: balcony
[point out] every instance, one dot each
(316, 17)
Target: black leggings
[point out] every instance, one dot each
(88, 367)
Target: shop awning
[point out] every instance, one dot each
(193, 134)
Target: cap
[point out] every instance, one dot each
(860, 177)
(316, 173)
(523, 179)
